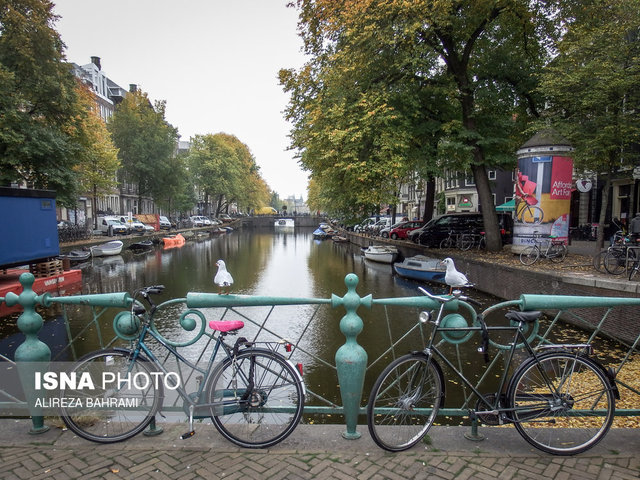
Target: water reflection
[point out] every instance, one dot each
(283, 264)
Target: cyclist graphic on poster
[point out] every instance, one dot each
(527, 210)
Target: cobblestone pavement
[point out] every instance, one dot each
(317, 452)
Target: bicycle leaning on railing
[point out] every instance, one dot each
(559, 399)
(555, 250)
(254, 396)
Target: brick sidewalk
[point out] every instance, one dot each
(317, 452)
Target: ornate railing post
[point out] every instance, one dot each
(351, 358)
(32, 349)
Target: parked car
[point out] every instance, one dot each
(134, 225)
(439, 229)
(197, 221)
(384, 232)
(113, 221)
(404, 228)
(164, 223)
(378, 225)
(225, 218)
(414, 235)
(200, 221)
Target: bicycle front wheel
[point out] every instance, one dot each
(404, 402)
(466, 242)
(563, 404)
(615, 262)
(529, 255)
(257, 398)
(557, 253)
(113, 410)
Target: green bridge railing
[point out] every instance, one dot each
(351, 361)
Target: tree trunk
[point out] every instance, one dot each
(94, 206)
(603, 213)
(429, 198)
(489, 217)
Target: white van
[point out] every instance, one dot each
(113, 221)
(135, 225)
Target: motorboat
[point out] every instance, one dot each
(421, 268)
(380, 253)
(141, 246)
(324, 231)
(113, 247)
(76, 256)
(284, 223)
(340, 239)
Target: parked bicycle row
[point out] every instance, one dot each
(559, 399)
(621, 257)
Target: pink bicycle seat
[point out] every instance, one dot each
(226, 326)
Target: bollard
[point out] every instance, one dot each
(32, 349)
(351, 358)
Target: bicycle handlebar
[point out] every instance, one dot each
(446, 299)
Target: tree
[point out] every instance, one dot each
(97, 162)
(429, 76)
(592, 87)
(146, 143)
(224, 169)
(38, 104)
(178, 194)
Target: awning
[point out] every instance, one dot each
(509, 206)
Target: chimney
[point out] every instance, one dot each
(96, 62)
(133, 88)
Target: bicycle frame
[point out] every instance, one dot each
(519, 341)
(192, 400)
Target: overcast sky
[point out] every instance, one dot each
(215, 62)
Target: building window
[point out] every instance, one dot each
(492, 174)
(468, 179)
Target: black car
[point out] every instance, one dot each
(439, 229)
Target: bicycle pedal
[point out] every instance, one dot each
(190, 434)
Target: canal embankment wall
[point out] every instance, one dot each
(509, 282)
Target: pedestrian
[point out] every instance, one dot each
(634, 227)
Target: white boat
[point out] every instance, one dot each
(380, 253)
(285, 223)
(110, 248)
(421, 268)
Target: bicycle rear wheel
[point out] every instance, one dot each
(615, 262)
(404, 402)
(466, 241)
(529, 255)
(598, 261)
(446, 243)
(117, 410)
(634, 269)
(258, 398)
(562, 404)
(557, 253)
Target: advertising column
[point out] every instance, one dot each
(542, 191)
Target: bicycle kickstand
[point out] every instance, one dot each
(191, 431)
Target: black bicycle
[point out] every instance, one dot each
(559, 399)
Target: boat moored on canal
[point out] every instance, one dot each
(421, 268)
(113, 247)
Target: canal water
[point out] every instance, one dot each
(263, 262)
